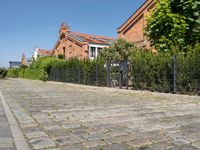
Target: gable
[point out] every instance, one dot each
(136, 18)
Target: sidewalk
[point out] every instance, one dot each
(6, 139)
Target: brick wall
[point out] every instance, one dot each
(133, 29)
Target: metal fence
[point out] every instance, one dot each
(96, 76)
(110, 75)
(121, 75)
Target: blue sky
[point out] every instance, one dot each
(25, 23)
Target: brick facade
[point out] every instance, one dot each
(133, 29)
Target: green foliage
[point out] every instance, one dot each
(151, 72)
(33, 74)
(174, 23)
(190, 9)
(155, 72)
(13, 72)
(40, 70)
(80, 71)
(188, 77)
(3, 73)
(23, 66)
(118, 51)
(61, 56)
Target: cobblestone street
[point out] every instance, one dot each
(61, 116)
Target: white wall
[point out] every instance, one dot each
(35, 54)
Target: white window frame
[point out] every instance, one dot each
(96, 49)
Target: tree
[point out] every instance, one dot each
(191, 10)
(174, 24)
(118, 51)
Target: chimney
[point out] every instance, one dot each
(64, 29)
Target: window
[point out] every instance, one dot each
(92, 52)
(63, 50)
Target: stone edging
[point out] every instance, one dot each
(20, 142)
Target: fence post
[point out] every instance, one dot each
(50, 75)
(174, 73)
(127, 79)
(120, 75)
(108, 73)
(79, 75)
(97, 75)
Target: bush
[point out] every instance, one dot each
(3, 73)
(78, 71)
(72, 70)
(151, 72)
(34, 74)
(188, 73)
(155, 72)
(13, 72)
(61, 56)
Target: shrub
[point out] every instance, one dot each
(3, 73)
(61, 56)
(13, 72)
(155, 72)
(188, 73)
(151, 72)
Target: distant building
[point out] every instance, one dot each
(79, 45)
(133, 29)
(14, 64)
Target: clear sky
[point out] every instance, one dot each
(25, 23)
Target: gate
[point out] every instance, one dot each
(117, 74)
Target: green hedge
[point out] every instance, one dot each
(78, 71)
(151, 72)
(13, 72)
(188, 73)
(155, 72)
(40, 69)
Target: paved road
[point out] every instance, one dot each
(53, 116)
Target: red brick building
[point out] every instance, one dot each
(79, 45)
(133, 29)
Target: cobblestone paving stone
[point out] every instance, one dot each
(62, 117)
(6, 139)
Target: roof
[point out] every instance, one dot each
(135, 14)
(44, 52)
(95, 39)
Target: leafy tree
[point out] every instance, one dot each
(174, 24)
(190, 9)
(118, 51)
